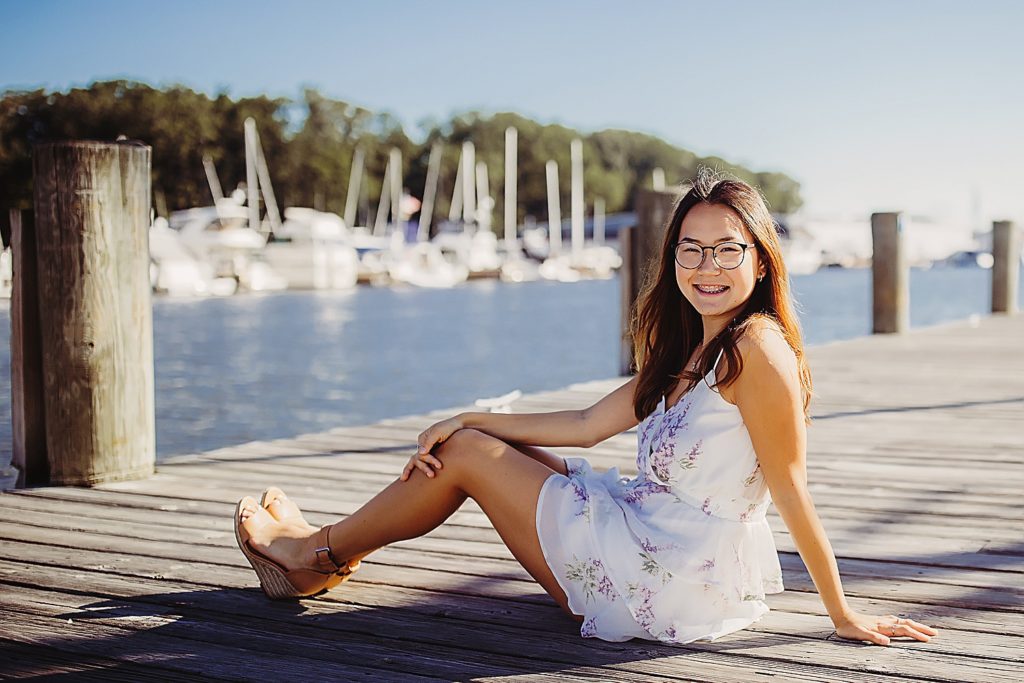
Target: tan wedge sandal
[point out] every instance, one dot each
(277, 581)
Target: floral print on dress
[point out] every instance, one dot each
(636, 495)
(649, 564)
(663, 457)
(689, 460)
(705, 507)
(580, 495)
(649, 546)
(591, 577)
(661, 460)
(645, 428)
(749, 481)
(644, 612)
(751, 509)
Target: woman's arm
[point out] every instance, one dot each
(768, 396)
(611, 415)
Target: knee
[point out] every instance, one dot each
(470, 442)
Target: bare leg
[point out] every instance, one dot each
(505, 483)
(545, 457)
(283, 509)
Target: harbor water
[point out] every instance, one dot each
(231, 370)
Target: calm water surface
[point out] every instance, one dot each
(270, 366)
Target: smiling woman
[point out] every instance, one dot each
(682, 551)
(726, 275)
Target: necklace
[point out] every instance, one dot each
(693, 363)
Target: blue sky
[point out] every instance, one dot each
(871, 105)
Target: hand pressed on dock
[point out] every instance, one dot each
(880, 630)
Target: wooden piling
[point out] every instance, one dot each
(28, 424)
(92, 204)
(890, 275)
(641, 250)
(1006, 267)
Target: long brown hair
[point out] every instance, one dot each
(667, 329)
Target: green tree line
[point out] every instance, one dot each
(309, 146)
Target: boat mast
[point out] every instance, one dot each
(658, 179)
(554, 210)
(252, 189)
(483, 193)
(395, 161)
(468, 192)
(385, 202)
(429, 192)
(456, 208)
(576, 153)
(355, 177)
(511, 164)
(213, 180)
(265, 186)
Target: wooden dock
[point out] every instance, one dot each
(916, 458)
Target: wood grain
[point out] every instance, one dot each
(28, 417)
(92, 203)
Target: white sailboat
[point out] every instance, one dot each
(220, 237)
(183, 267)
(476, 245)
(423, 264)
(419, 263)
(313, 250)
(228, 236)
(176, 271)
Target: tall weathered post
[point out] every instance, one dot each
(641, 248)
(1006, 267)
(28, 425)
(92, 203)
(890, 275)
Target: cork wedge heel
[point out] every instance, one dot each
(279, 582)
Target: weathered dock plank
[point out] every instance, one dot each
(916, 460)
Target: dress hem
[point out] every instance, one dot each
(726, 626)
(544, 551)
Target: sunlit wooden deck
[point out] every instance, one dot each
(916, 461)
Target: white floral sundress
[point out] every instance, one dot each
(681, 552)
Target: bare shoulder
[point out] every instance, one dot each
(766, 355)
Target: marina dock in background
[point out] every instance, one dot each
(915, 462)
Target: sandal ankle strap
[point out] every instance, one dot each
(326, 560)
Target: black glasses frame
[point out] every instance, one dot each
(714, 255)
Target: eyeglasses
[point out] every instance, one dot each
(727, 255)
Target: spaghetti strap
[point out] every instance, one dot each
(714, 368)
